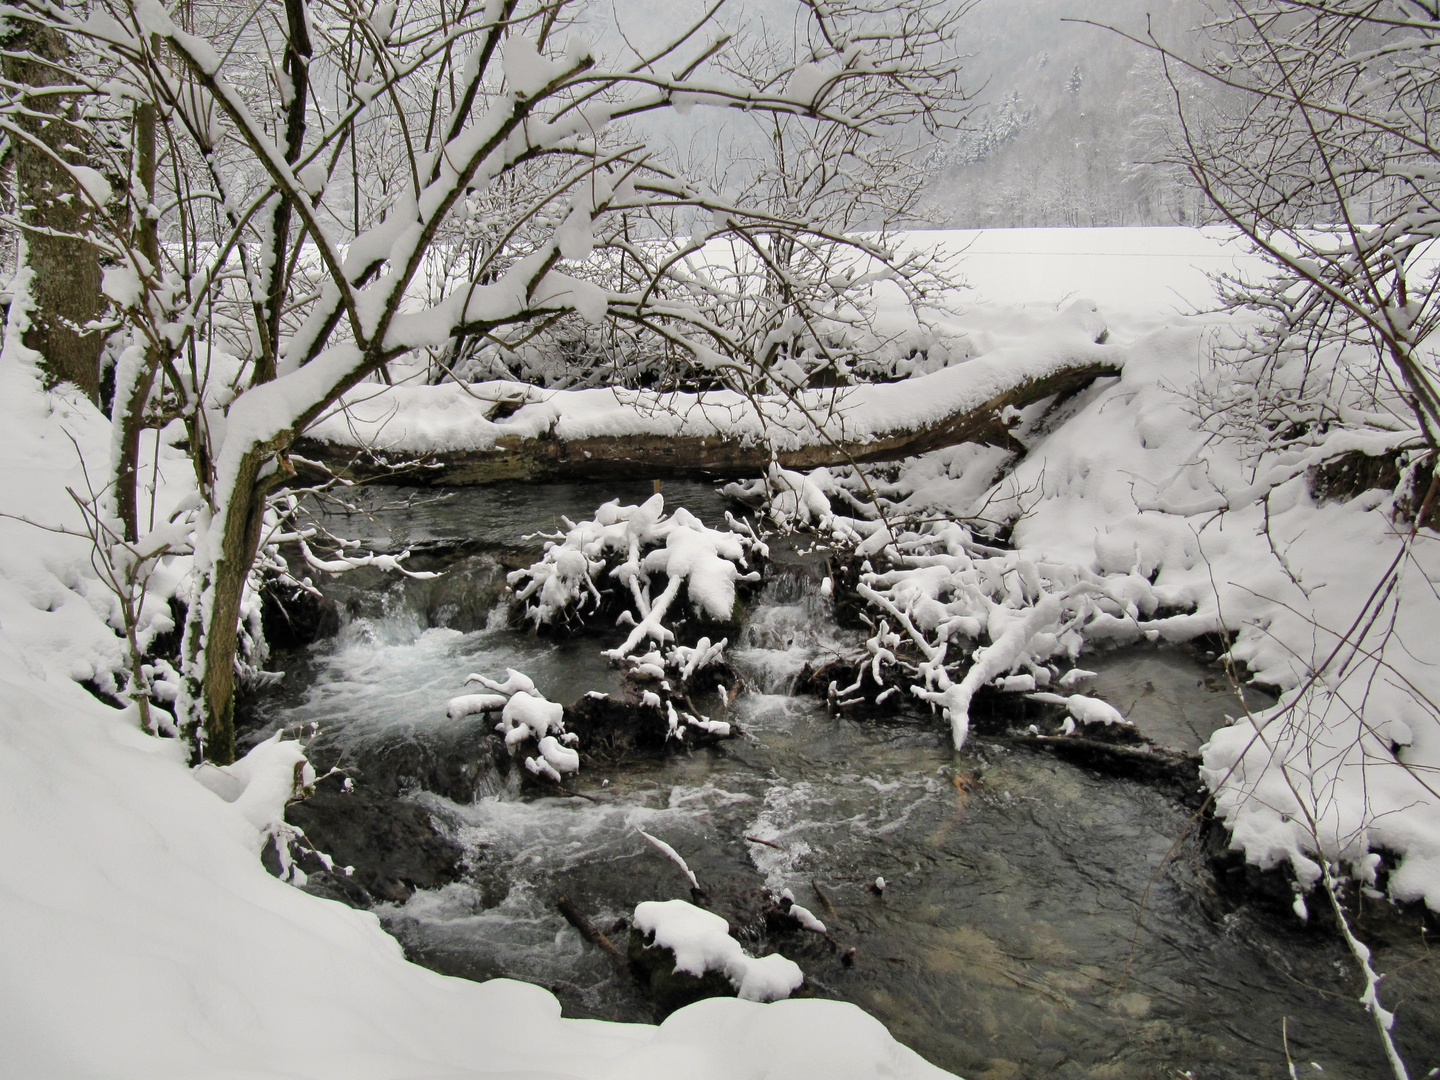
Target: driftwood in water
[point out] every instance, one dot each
(589, 931)
(551, 454)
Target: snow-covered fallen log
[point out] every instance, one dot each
(485, 432)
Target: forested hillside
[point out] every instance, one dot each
(1072, 123)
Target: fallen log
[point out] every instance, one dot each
(487, 432)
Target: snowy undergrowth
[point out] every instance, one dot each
(632, 548)
(1158, 510)
(943, 599)
(525, 716)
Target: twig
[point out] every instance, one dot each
(670, 853)
(1384, 1019)
(577, 794)
(588, 930)
(825, 900)
(1285, 1038)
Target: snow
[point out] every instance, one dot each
(267, 778)
(805, 915)
(701, 942)
(1087, 710)
(141, 936)
(525, 716)
(527, 70)
(639, 544)
(468, 704)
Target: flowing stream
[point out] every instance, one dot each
(1038, 919)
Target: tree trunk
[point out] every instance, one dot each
(133, 394)
(243, 520)
(667, 455)
(54, 215)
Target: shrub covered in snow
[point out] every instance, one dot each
(629, 551)
(638, 559)
(525, 717)
(952, 612)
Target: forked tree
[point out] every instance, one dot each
(283, 180)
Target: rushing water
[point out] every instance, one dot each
(1038, 920)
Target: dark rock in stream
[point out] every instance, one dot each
(391, 845)
(293, 618)
(458, 761)
(390, 840)
(613, 729)
(654, 969)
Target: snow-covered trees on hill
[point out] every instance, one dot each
(1071, 124)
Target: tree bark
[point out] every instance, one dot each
(668, 456)
(244, 517)
(129, 408)
(54, 216)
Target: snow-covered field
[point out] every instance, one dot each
(140, 936)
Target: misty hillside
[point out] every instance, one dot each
(1069, 120)
(1065, 126)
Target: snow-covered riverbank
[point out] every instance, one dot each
(141, 937)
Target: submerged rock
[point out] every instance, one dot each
(681, 953)
(392, 846)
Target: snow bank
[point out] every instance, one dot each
(1227, 535)
(142, 939)
(1148, 514)
(140, 936)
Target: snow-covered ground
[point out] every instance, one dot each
(1133, 488)
(139, 935)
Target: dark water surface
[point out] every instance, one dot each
(1038, 921)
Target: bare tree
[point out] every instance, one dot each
(1325, 157)
(1327, 164)
(312, 160)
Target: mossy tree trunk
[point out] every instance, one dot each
(54, 214)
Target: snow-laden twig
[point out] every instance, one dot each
(671, 854)
(635, 547)
(1383, 1018)
(957, 602)
(525, 716)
